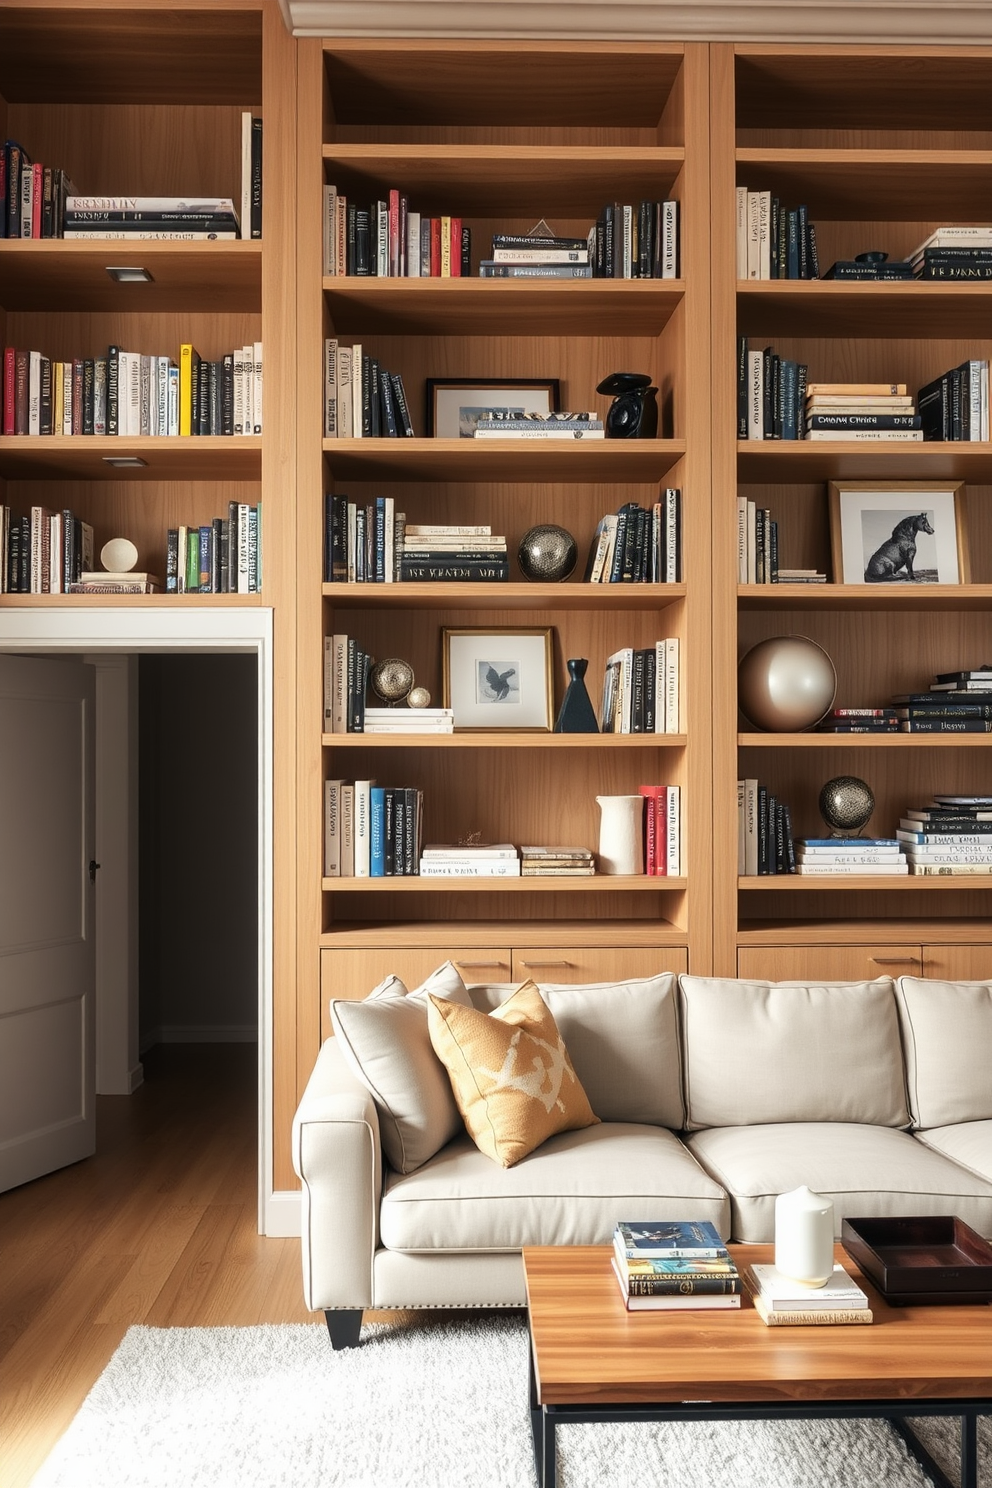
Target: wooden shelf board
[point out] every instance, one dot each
(496, 460)
(559, 597)
(128, 601)
(893, 185)
(866, 932)
(769, 461)
(897, 740)
(504, 740)
(861, 882)
(496, 180)
(835, 308)
(894, 597)
(79, 457)
(599, 883)
(519, 933)
(62, 274)
(504, 307)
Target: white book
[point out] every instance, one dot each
(329, 232)
(673, 831)
(671, 534)
(389, 541)
(764, 234)
(673, 722)
(346, 403)
(330, 387)
(173, 399)
(751, 540)
(782, 1294)
(339, 684)
(660, 688)
(824, 869)
(604, 542)
(624, 658)
(889, 435)
(27, 201)
(34, 389)
(150, 234)
(750, 828)
(213, 206)
(357, 423)
(669, 240)
(967, 855)
(55, 553)
(67, 399)
(753, 235)
(247, 363)
(756, 395)
(844, 860)
(246, 171)
(944, 870)
(955, 237)
(440, 850)
(238, 389)
(413, 245)
(742, 539)
(256, 387)
(332, 828)
(984, 434)
(341, 232)
(363, 828)
(741, 818)
(346, 817)
(244, 519)
(470, 868)
(380, 225)
(129, 393)
(564, 431)
(741, 242)
(434, 529)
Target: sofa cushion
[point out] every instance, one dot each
(510, 1072)
(385, 1040)
(947, 1034)
(969, 1144)
(760, 1052)
(570, 1191)
(868, 1172)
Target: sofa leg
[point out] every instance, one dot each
(344, 1324)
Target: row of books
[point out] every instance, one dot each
(361, 398)
(662, 830)
(508, 423)
(638, 545)
(346, 675)
(764, 832)
(223, 556)
(955, 405)
(757, 549)
(133, 394)
(156, 218)
(954, 252)
(673, 1266)
(642, 242)
(773, 241)
(32, 196)
(771, 394)
(950, 835)
(386, 239)
(372, 543)
(45, 552)
(538, 255)
(641, 690)
(371, 831)
(956, 703)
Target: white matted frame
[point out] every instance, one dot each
(455, 404)
(498, 678)
(898, 532)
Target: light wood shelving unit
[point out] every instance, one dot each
(882, 146)
(504, 133)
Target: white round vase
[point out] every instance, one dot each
(804, 1237)
(621, 834)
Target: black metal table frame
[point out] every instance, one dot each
(545, 1419)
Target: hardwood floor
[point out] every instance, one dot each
(159, 1227)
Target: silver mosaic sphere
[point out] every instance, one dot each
(846, 803)
(391, 679)
(547, 553)
(785, 684)
(419, 698)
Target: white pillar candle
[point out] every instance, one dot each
(804, 1237)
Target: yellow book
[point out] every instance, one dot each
(445, 247)
(189, 378)
(803, 1316)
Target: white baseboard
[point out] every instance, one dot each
(282, 1219)
(197, 1033)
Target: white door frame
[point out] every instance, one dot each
(190, 628)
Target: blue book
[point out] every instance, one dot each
(849, 844)
(644, 1239)
(377, 855)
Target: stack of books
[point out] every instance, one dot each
(32, 196)
(638, 545)
(851, 855)
(781, 1302)
(957, 703)
(362, 399)
(531, 256)
(773, 241)
(120, 582)
(463, 553)
(470, 860)
(360, 540)
(764, 832)
(867, 410)
(387, 239)
(956, 404)
(661, 1265)
(639, 242)
(43, 553)
(950, 835)
(165, 218)
(508, 423)
(662, 830)
(404, 720)
(757, 550)
(870, 266)
(771, 394)
(557, 862)
(641, 690)
(860, 721)
(954, 253)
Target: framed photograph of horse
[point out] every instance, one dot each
(898, 532)
(495, 678)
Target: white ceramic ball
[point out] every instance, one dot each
(119, 555)
(419, 698)
(785, 684)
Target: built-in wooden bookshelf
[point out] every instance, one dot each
(883, 145)
(503, 134)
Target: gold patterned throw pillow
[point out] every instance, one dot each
(510, 1072)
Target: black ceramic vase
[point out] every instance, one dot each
(576, 714)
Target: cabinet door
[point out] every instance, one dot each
(958, 963)
(352, 972)
(596, 963)
(827, 963)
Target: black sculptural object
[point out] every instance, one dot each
(576, 715)
(633, 413)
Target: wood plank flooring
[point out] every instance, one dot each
(159, 1227)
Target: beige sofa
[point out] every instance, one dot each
(715, 1095)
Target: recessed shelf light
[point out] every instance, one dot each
(128, 274)
(123, 462)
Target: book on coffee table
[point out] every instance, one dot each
(781, 1302)
(673, 1301)
(697, 1239)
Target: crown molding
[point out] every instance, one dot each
(861, 22)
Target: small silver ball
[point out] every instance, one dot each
(547, 553)
(846, 803)
(391, 679)
(419, 698)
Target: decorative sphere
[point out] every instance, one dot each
(846, 803)
(419, 698)
(547, 553)
(391, 679)
(119, 555)
(785, 684)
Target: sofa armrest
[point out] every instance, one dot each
(337, 1155)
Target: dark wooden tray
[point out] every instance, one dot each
(932, 1259)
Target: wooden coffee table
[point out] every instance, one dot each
(592, 1360)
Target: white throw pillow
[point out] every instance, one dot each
(947, 1032)
(385, 1040)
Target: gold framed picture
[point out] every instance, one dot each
(898, 532)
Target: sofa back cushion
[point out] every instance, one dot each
(762, 1052)
(947, 1033)
(622, 1038)
(385, 1040)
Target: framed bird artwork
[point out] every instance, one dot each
(498, 679)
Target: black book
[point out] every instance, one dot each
(812, 257)
(389, 831)
(387, 413)
(357, 558)
(789, 381)
(637, 693)
(172, 560)
(790, 849)
(768, 384)
(933, 404)
(642, 263)
(802, 376)
(24, 576)
(945, 710)
(759, 545)
(456, 570)
(255, 224)
(741, 387)
(527, 240)
(411, 831)
(15, 159)
(363, 242)
(802, 234)
(366, 396)
(13, 574)
(642, 546)
(399, 398)
(113, 390)
(650, 690)
(466, 252)
(350, 239)
(227, 393)
(599, 249)
(376, 429)
(609, 268)
(397, 839)
(792, 245)
(619, 542)
(45, 397)
(780, 862)
(850, 269)
(216, 554)
(774, 242)
(956, 271)
(48, 202)
(863, 421)
(773, 551)
(763, 829)
(224, 557)
(350, 684)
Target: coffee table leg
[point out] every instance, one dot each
(969, 1449)
(543, 1430)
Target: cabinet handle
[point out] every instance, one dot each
(535, 965)
(482, 965)
(894, 960)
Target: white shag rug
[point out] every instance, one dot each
(423, 1404)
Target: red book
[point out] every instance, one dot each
(22, 366)
(37, 196)
(435, 247)
(77, 395)
(394, 233)
(9, 379)
(654, 837)
(456, 247)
